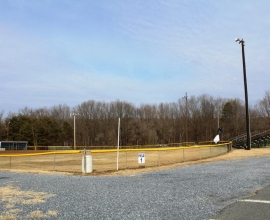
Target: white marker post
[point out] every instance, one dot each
(141, 158)
(117, 159)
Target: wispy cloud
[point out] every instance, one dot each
(140, 51)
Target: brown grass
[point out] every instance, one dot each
(52, 213)
(8, 216)
(36, 214)
(233, 155)
(105, 164)
(11, 195)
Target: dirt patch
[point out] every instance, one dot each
(13, 196)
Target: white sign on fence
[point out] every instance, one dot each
(141, 158)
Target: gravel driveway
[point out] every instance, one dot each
(192, 192)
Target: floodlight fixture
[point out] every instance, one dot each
(240, 41)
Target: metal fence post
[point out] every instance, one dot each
(54, 163)
(183, 154)
(126, 159)
(158, 158)
(84, 161)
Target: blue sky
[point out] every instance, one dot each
(67, 52)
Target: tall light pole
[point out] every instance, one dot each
(74, 120)
(242, 42)
(185, 97)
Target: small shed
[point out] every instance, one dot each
(13, 145)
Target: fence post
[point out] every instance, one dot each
(159, 158)
(183, 154)
(54, 163)
(126, 159)
(84, 161)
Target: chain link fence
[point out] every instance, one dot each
(61, 161)
(108, 160)
(105, 160)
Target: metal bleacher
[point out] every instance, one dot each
(258, 140)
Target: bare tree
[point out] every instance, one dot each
(263, 109)
(3, 126)
(96, 122)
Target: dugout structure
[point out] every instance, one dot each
(13, 145)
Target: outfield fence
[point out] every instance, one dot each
(62, 161)
(107, 160)
(104, 160)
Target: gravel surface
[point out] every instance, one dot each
(192, 192)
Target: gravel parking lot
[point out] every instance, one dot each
(196, 191)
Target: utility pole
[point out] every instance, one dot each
(186, 116)
(8, 130)
(74, 125)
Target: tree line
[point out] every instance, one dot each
(191, 119)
